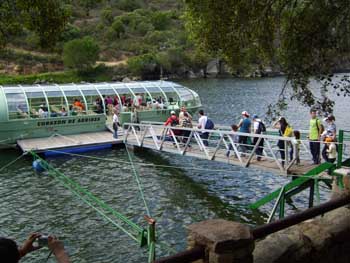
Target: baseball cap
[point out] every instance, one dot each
(172, 112)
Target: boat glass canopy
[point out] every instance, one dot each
(54, 100)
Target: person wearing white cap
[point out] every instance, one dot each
(244, 126)
(172, 120)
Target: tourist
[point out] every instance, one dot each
(296, 143)
(202, 121)
(284, 130)
(115, 124)
(11, 253)
(331, 150)
(63, 112)
(244, 127)
(181, 114)
(330, 132)
(173, 121)
(43, 111)
(234, 138)
(186, 122)
(259, 128)
(315, 132)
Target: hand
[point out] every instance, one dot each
(57, 247)
(27, 246)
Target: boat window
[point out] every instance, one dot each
(16, 103)
(156, 92)
(109, 96)
(142, 98)
(187, 98)
(126, 97)
(173, 97)
(37, 102)
(75, 100)
(57, 102)
(93, 99)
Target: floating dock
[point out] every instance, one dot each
(82, 140)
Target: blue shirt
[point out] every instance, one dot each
(245, 127)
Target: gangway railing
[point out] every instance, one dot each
(222, 145)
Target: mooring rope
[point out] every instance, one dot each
(146, 164)
(12, 162)
(138, 182)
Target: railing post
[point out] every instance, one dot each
(340, 148)
(224, 241)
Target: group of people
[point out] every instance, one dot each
(318, 134)
(10, 252)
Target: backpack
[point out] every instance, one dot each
(261, 128)
(209, 125)
(174, 122)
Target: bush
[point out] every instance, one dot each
(142, 65)
(80, 54)
(107, 16)
(118, 27)
(161, 20)
(130, 5)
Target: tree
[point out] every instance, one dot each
(303, 38)
(80, 54)
(47, 18)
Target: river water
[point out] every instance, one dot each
(178, 190)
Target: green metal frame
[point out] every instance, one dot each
(142, 236)
(308, 180)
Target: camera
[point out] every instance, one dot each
(43, 240)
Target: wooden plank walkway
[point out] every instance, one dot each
(69, 141)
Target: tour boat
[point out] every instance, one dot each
(35, 111)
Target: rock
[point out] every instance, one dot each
(126, 79)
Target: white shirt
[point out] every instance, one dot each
(202, 121)
(332, 151)
(115, 118)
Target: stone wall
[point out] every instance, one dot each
(324, 239)
(320, 240)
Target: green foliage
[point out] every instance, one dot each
(161, 20)
(98, 74)
(107, 16)
(304, 38)
(47, 18)
(142, 65)
(88, 5)
(130, 5)
(80, 54)
(118, 27)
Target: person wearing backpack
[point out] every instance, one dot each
(173, 121)
(259, 128)
(315, 131)
(204, 124)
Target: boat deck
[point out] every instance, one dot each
(69, 141)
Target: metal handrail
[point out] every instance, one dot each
(197, 253)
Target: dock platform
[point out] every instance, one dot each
(58, 141)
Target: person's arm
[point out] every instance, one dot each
(276, 124)
(57, 248)
(200, 121)
(27, 246)
(167, 122)
(240, 123)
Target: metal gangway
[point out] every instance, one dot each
(221, 146)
